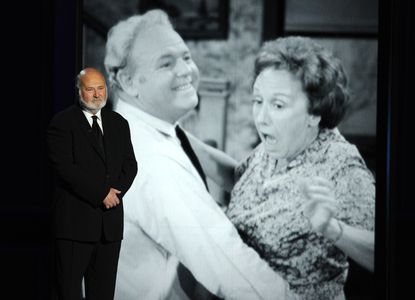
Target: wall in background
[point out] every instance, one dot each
(232, 59)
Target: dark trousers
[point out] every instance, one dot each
(95, 262)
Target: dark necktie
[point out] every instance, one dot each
(192, 288)
(187, 148)
(96, 131)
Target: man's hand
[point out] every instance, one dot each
(111, 200)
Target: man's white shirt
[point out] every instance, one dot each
(169, 216)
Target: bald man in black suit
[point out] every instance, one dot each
(91, 152)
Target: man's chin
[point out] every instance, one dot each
(93, 105)
(95, 108)
(99, 104)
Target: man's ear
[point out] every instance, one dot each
(127, 83)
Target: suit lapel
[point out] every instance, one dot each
(87, 130)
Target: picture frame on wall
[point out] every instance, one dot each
(194, 19)
(331, 17)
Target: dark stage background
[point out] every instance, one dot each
(39, 44)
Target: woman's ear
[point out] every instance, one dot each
(314, 121)
(127, 83)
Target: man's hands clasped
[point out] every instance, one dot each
(111, 200)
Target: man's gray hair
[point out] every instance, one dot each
(121, 38)
(78, 79)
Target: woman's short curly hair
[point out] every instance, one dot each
(321, 74)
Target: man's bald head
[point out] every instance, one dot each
(92, 89)
(87, 73)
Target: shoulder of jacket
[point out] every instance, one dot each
(114, 115)
(65, 115)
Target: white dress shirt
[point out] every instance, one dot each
(88, 116)
(169, 216)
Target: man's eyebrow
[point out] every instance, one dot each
(165, 56)
(171, 54)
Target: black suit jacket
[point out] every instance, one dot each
(85, 176)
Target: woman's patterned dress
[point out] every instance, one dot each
(267, 208)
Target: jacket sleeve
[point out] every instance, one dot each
(77, 180)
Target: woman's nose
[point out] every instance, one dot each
(262, 116)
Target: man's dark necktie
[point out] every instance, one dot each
(193, 289)
(96, 131)
(187, 148)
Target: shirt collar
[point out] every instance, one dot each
(158, 124)
(88, 114)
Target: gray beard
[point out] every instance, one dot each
(89, 108)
